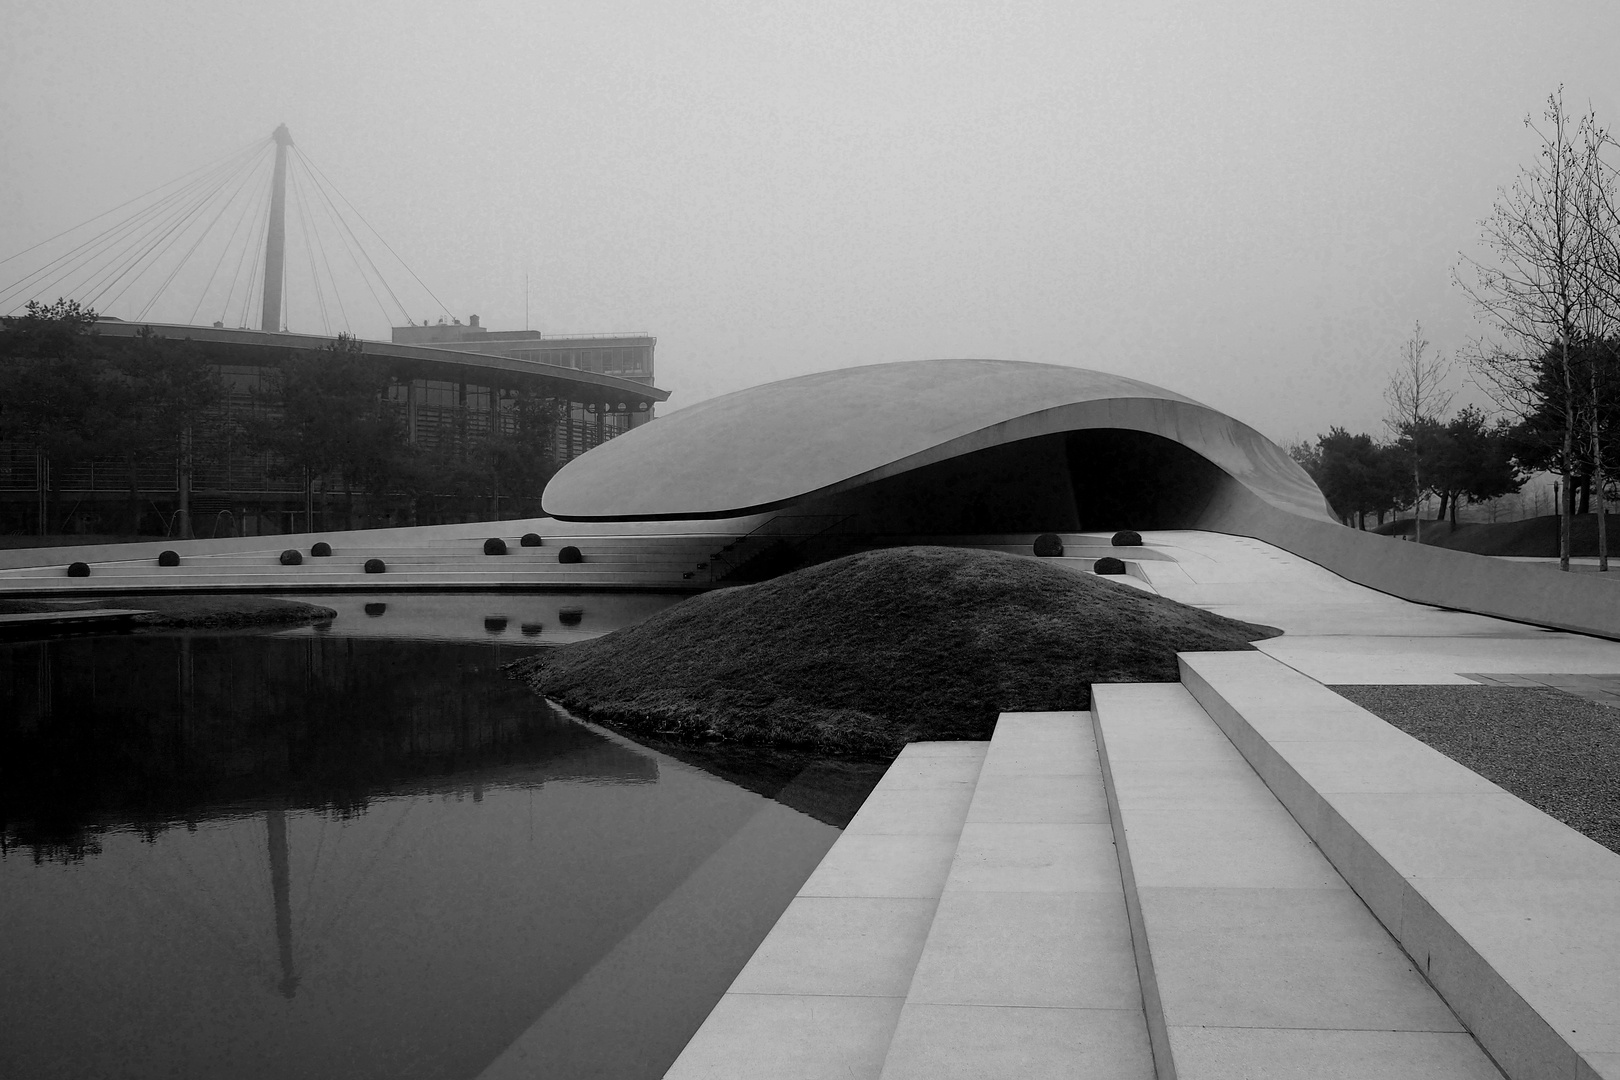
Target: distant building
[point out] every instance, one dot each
(452, 381)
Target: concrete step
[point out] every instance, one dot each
(1256, 958)
(1514, 916)
(1028, 970)
(822, 994)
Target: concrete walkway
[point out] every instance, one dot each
(1307, 896)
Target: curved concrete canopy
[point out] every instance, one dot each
(831, 432)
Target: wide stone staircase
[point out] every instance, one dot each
(1239, 875)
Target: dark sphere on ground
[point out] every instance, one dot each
(570, 554)
(1048, 545)
(291, 557)
(376, 566)
(570, 616)
(494, 546)
(168, 558)
(1108, 565)
(320, 549)
(530, 540)
(1127, 538)
(78, 569)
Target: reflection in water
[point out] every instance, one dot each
(557, 618)
(309, 856)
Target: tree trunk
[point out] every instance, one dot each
(134, 496)
(309, 501)
(184, 466)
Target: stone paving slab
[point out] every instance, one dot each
(1256, 958)
(1513, 916)
(822, 994)
(1028, 970)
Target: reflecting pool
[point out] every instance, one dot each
(322, 854)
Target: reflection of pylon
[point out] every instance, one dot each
(275, 826)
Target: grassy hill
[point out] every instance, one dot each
(863, 654)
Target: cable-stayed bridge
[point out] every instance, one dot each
(256, 257)
(260, 238)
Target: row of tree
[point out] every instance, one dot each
(1547, 287)
(325, 417)
(1467, 459)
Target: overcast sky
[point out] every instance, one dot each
(1249, 203)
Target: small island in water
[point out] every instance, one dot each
(859, 656)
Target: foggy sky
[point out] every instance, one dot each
(1249, 203)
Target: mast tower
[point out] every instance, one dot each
(275, 241)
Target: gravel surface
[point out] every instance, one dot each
(1557, 752)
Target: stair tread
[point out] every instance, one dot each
(1254, 952)
(1027, 969)
(821, 994)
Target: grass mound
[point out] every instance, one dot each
(864, 654)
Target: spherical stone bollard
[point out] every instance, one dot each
(168, 558)
(1109, 565)
(320, 549)
(494, 546)
(570, 616)
(78, 569)
(376, 566)
(291, 557)
(530, 540)
(1048, 545)
(376, 611)
(1127, 538)
(570, 554)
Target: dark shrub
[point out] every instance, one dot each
(494, 546)
(570, 616)
(1048, 545)
(1127, 538)
(570, 554)
(376, 566)
(530, 540)
(291, 557)
(320, 549)
(1109, 565)
(79, 569)
(168, 558)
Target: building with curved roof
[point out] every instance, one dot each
(938, 448)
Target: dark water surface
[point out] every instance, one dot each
(319, 855)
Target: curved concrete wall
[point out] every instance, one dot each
(968, 446)
(772, 445)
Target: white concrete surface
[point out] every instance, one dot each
(1260, 959)
(822, 995)
(1027, 970)
(1513, 916)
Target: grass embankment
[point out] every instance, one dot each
(189, 612)
(1557, 752)
(864, 654)
(1532, 537)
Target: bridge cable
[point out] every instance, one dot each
(160, 245)
(309, 253)
(345, 235)
(202, 234)
(251, 146)
(337, 293)
(365, 255)
(379, 236)
(230, 241)
(102, 240)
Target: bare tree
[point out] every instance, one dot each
(1536, 293)
(1601, 211)
(1417, 398)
